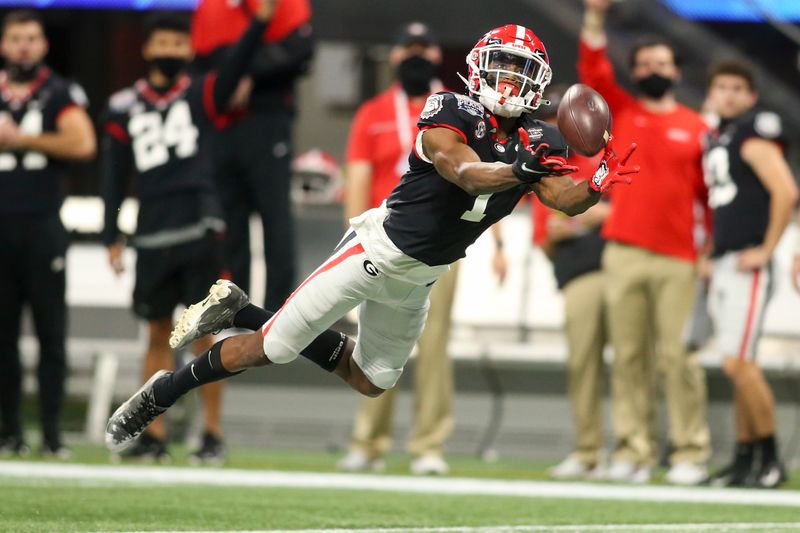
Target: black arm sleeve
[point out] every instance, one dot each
(289, 57)
(115, 168)
(235, 64)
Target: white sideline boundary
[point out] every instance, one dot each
(618, 528)
(161, 475)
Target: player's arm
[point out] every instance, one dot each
(227, 77)
(456, 162)
(115, 168)
(766, 159)
(357, 186)
(796, 261)
(594, 67)
(73, 139)
(289, 57)
(563, 194)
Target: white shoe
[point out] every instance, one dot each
(570, 468)
(214, 313)
(427, 465)
(628, 472)
(356, 461)
(686, 474)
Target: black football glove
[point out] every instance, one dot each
(533, 165)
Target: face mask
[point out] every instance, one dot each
(23, 72)
(169, 66)
(654, 85)
(415, 75)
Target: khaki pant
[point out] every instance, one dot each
(584, 308)
(650, 298)
(433, 387)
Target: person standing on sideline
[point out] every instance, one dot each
(381, 138)
(753, 193)
(652, 255)
(43, 124)
(161, 128)
(575, 247)
(252, 155)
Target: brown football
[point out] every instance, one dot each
(584, 119)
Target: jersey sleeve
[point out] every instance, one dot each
(68, 95)
(446, 110)
(766, 125)
(116, 161)
(360, 143)
(596, 71)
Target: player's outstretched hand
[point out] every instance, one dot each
(533, 165)
(266, 8)
(613, 169)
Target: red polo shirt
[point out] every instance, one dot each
(657, 211)
(218, 23)
(374, 138)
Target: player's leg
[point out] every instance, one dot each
(157, 356)
(267, 157)
(299, 327)
(433, 382)
(202, 263)
(12, 272)
(233, 195)
(47, 296)
(629, 320)
(585, 331)
(372, 434)
(739, 328)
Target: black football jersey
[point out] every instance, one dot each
(164, 139)
(434, 220)
(30, 181)
(735, 193)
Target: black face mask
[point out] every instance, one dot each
(169, 66)
(23, 72)
(415, 75)
(654, 85)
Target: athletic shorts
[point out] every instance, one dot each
(180, 274)
(391, 310)
(737, 302)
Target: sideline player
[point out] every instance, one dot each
(473, 160)
(43, 124)
(161, 128)
(752, 192)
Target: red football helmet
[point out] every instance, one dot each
(508, 70)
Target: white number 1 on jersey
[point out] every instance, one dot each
(478, 210)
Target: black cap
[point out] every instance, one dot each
(415, 33)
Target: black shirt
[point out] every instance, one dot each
(164, 138)
(735, 193)
(30, 181)
(434, 220)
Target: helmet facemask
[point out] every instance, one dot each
(508, 80)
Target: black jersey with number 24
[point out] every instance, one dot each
(434, 220)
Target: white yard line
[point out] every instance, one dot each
(618, 528)
(162, 475)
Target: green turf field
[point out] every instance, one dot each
(31, 505)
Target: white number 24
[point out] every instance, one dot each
(153, 137)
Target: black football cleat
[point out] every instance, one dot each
(211, 452)
(13, 446)
(212, 314)
(133, 416)
(733, 475)
(770, 476)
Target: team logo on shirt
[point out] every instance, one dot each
(480, 130)
(432, 106)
